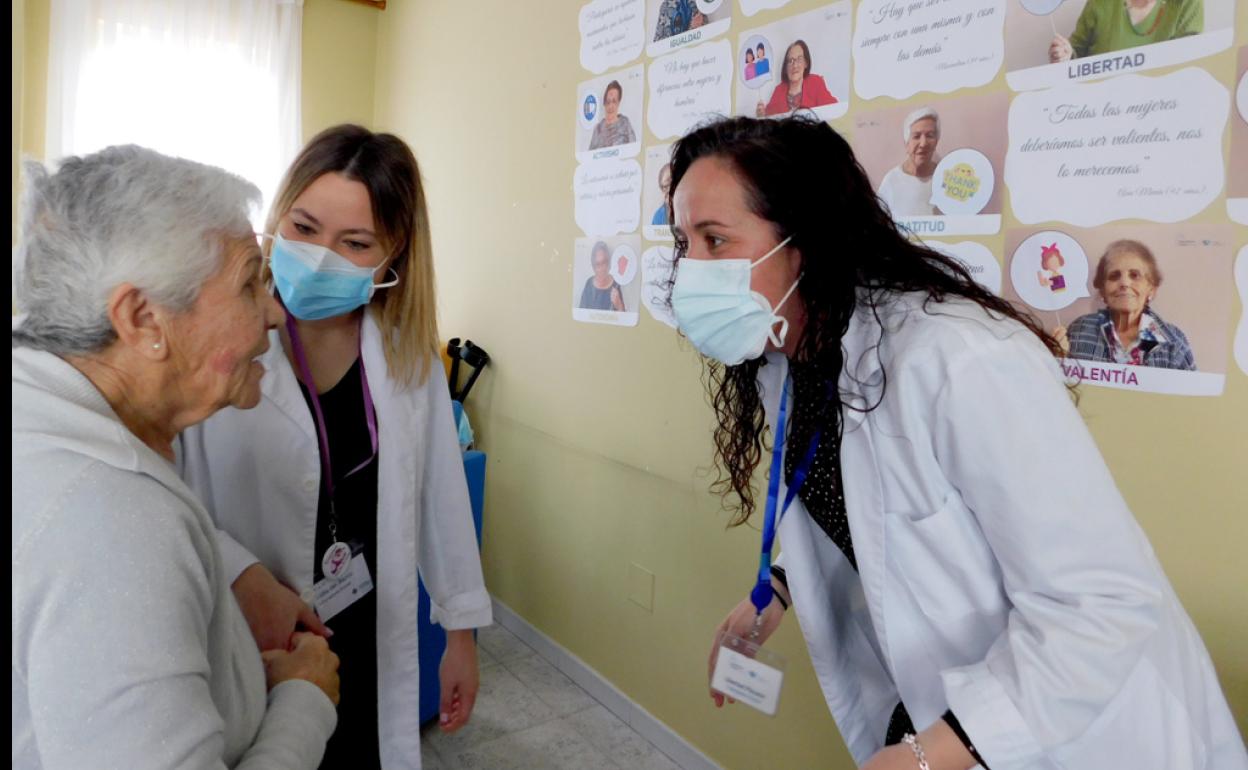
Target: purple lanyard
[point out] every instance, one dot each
(321, 435)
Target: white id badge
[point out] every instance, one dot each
(748, 673)
(333, 595)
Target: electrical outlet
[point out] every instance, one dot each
(641, 587)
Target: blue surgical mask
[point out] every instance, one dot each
(721, 316)
(315, 282)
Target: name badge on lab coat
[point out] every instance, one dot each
(332, 595)
(748, 673)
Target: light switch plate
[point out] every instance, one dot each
(641, 587)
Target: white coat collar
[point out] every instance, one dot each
(280, 383)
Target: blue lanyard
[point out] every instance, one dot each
(760, 596)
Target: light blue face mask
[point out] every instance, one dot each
(315, 282)
(721, 316)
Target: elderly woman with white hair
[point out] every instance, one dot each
(907, 188)
(142, 313)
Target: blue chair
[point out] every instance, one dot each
(432, 637)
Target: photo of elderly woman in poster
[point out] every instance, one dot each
(1115, 25)
(798, 87)
(615, 128)
(1051, 42)
(601, 291)
(1130, 307)
(1127, 330)
(907, 187)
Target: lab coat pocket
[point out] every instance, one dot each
(1144, 725)
(944, 561)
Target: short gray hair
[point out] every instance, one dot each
(915, 117)
(125, 214)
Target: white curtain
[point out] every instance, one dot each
(215, 81)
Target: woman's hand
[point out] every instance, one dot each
(273, 611)
(1060, 49)
(617, 299)
(739, 623)
(1062, 339)
(459, 679)
(760, 109)
(309, 658)
(698, 20)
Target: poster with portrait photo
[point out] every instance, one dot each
(798, 63)
(903, 47)
(937, 166)
(606, 287)
(655, 183)
(1135, 147)
(1051, 42)
(673, 24)
(1144, 308)
(608, 115)
(1237, 176)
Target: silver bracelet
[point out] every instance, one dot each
(910, 740)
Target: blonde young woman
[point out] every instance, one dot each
(349, 473)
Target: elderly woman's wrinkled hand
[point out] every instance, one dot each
(309, 658)
(1062, 339)
(1060, 50)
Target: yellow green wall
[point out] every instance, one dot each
(598, 436)
(339, 58)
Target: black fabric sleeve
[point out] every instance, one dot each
(953, 722)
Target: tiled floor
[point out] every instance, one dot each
(530, 715)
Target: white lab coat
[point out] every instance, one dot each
(1001, 573)
(259, 474)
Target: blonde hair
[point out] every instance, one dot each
(384, 164)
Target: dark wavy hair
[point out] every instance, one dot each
(802, 177)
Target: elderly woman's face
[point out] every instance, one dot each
(795, 63)
(665, 178)
(216, 342)
(602, 264)
(921, 143)
(1128, 283)
(713, 218)
(337, 213)
(611, 100)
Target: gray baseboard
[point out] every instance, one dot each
(629, 711)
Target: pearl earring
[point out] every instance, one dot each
(155, 346)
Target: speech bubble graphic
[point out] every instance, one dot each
(977, 259)
(1040, 7)
(760, 73)
(656, 272)
(963, 182)
(588, 114)
(1049, 270)
(624, 264)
